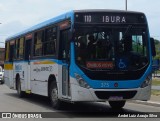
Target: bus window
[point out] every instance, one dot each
(64, 44)
(38, 43)
(139, 44)
(7, 51)
(11, 53)
(49, 44)
(21, 48)
(27, 49)
(16, 54)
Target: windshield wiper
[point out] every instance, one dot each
(126, 32)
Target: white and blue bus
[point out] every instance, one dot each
(83, 55)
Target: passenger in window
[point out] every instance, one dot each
(127, 44)
(81, 48)
(108, 49)
(91, 48)
(100, 52)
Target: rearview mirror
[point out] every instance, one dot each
(153, 48)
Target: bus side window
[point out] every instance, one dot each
(38, 38)
(64, 44)
(7, 51)
(18, 51)
(27, 48)
(21, 48)
(11, 50)
(49, 44)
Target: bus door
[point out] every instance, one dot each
(28, 45)
(64, 54)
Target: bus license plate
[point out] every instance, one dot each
(115, 98)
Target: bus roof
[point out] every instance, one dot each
(65, 16)
(107, 10)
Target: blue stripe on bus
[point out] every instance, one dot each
(96, 84)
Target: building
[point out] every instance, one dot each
(2, 51)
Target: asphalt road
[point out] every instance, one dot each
(10, 102)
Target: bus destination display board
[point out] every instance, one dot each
(110, 18)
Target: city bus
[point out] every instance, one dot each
(83, 56)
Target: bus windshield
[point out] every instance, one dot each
(112, 48)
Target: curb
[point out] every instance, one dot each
(150, 103)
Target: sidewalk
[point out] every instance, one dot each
(155, 98)
(154, 101)
(155, 87)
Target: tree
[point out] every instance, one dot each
(157, 45)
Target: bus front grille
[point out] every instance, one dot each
(108, 94)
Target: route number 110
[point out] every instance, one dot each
(87, 18)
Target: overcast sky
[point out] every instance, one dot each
(17, 15)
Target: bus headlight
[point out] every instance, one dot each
(147, 81)
(81, 81)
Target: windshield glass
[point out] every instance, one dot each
(111, 48)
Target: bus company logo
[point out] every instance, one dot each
(18, 67)
(49, 68)
(6, 115)
(21, 115)
(37, 69)
(42, 69)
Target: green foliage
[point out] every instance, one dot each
(155, 92)
(157, 44)
(156, 82)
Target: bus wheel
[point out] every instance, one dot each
(117, 104)
(19, 91)
(56, 103)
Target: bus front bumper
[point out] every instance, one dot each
(83, 94)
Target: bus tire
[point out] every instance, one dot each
(53, 95)
(117, 104)
(19, 91)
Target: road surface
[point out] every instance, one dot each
(10, 102)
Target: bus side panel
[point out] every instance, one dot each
(8, 75)
(40, 72)
(20, 68)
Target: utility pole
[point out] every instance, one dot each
(126, 4)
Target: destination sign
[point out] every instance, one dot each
(99, 64)
(105, 19)
(111, 18)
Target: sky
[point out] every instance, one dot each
(18, 15)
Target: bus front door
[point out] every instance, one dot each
(27, 76)
(64, 47)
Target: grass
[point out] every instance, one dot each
(155, 92)
(158, 72)
(156, 82)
